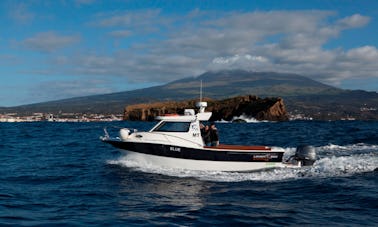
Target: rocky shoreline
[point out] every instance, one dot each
(269, 109)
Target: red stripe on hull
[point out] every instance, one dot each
(239, 147)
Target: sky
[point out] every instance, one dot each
(58, 49)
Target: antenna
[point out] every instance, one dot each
(201, 92)
(201, 105)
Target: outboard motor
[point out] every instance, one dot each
(306, 154)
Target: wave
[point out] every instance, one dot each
(346, 150)
(351, 147)
(242, 118)
(335, 165)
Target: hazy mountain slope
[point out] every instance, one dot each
(300, 93)
(356, 104)
(228, 83)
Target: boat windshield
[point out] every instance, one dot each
(173, 127)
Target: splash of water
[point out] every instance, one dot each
(242, 117)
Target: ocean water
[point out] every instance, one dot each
(62, 174)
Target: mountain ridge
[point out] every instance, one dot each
(300, 94)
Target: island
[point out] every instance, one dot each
(251, 106)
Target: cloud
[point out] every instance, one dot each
(137, 68)
(357, 63)
(140, 20)
(353, 21)
(7, 60)
(49, 41)
(185, 45)
(120, 33)
(54, 90)
(20, 13)
(238, 61)
(368, 54)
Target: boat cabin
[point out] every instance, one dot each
(184, 127)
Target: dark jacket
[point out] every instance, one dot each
(214, 135)
(206, 136)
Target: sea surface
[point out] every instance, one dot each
(62, 174)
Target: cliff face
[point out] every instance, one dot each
(271, 109)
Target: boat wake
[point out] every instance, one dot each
(333, 161)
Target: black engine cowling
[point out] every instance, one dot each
(306, 154)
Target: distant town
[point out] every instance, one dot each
(63, 117)
(79, 117)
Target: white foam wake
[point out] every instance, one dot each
(351, 147)
(366, 160)
(243, 117)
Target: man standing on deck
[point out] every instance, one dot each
(214, 135)
(206, 136)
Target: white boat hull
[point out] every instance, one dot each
(200, 165)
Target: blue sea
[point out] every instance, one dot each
(62, 174)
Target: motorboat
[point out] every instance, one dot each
(176, 142)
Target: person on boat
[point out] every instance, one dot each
(206, 135)
(214, 137)
(202, 130)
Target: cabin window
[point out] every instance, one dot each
(173, 127)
